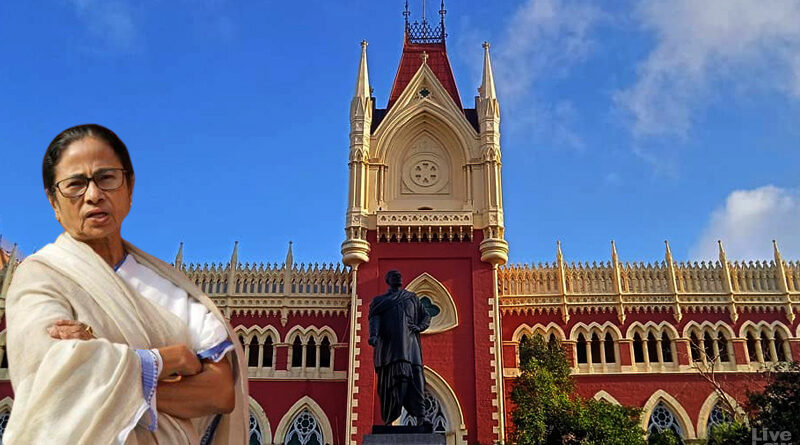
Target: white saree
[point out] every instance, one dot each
(88, 392)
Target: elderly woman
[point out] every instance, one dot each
(107, 344)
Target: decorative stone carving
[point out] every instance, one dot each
(426, 169)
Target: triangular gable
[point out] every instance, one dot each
(437, 96)
(411, 60)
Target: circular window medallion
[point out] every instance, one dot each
(425, 173)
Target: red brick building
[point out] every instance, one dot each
(425, 197)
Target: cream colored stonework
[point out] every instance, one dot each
(424, 164)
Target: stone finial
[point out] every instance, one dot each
(559, 255)
(235, 255)
(614, 256)
(487, 89)
(362, 81)
(289, 257)
(723, 259)
(179, 256)
(424, 57)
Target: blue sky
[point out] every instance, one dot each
(633, 121)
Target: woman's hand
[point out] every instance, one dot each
(70, 330)
(179, 359)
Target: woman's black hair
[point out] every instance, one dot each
(74, 134)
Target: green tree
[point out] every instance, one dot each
(734, 433)
(549, 411)
(777, 408)
(663, 437)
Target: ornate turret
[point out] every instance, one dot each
(494, 249)
(355, 248)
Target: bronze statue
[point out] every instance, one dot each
(395, 320)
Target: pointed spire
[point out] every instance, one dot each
(487, 90)
(179, 257)
(614, 256)
(668, 254)
(362, 83)
(289, 257)
(235, 255)
(776, 253)
(559, 255)
(723, 259)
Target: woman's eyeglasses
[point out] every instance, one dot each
(106, 179)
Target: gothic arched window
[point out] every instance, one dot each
(305, 430)
(325, 353)
(252, 352)
(297, 352)
(433, 413)
(596, 349)
(268, 352)
(652, 348)
(608, 345)
(581, 345)
(694, 344)
(779, 341)
(666, 347)
(751, 347)
(722, 346)
(638, 349)
(3, 422)
(718, 416)
(256, 437)
(311, 353)
(662, 419)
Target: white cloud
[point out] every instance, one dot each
(701, 44)
(749, 221)
(110, 21)
(543, 40)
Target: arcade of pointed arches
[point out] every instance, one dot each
(311, 351)
(653, 345)
(663, 411)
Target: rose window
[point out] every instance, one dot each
(425, 173)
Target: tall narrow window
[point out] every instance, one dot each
(311, 353)
(765, 350)
(751, 347)
(666, 347)
(581, 345)
(638, 349)
(252, 351)
(267, 353)
(708, 347)
(608, 346)
(596, 358)
(694, 344)
(722, 345)
(325, 353)
(297, 352)
(652, 348)
(779, 341)
(4, 361)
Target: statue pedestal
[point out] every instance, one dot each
(403, 435)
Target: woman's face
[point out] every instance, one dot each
(98, 214)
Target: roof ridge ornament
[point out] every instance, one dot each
(421, 32)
